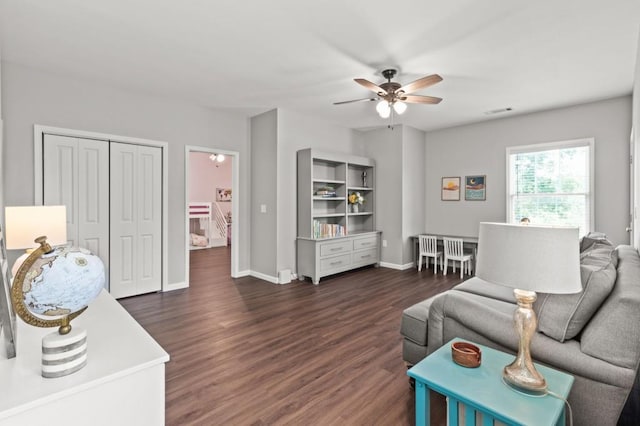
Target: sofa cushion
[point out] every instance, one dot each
(563, 316)
(414, 321)
(481, 287)
(591, 238)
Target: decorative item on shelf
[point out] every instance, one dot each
(528, 259)
(355, 200)
(364, 178)
(326, 192)
(53, 285)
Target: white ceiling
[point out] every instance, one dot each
(303, 55)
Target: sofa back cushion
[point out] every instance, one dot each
(563, 316)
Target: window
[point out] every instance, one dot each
(551, 184)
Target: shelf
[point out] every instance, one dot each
(328, 215)
(360, 188)
(319, 198)
(361, 214)
(320, 180)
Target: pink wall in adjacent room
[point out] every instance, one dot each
(205, 176)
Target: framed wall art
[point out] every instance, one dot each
(223, 194)
(450, 188)
(475, 188)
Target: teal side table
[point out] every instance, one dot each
(482, 390)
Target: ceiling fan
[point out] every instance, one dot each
(394, 95)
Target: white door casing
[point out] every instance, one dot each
(136, 219)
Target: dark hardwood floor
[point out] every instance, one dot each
(248, 352)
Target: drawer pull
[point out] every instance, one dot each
(365, 244)
(335, 263)
(336, 249)
(365, 257)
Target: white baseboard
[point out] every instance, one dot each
(264, 277)
(241, 274)
(397, 266)
(175, 286)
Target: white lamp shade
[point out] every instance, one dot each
(399, 107)
(26, 223)
(534, 258)
(383, 109)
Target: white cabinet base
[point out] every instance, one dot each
(319, 258)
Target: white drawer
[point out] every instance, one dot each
(336, 262)
(365, 257)
(333, 248)
(365, 242)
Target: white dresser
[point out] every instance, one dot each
(122, 383)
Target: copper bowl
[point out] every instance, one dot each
(466, 354)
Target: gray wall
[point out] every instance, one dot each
(385, 147)
(413, 181)
(480, 149)
(264, 191)
(35, 97)
(295, 132)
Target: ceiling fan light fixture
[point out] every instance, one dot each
(399, 107)
(217, 157)
(383, 108)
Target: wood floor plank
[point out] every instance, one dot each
(247, 352)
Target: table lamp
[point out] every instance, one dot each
(528, 259)
(52, 285)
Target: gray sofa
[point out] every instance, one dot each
(594, 335)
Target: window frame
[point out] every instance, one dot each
(548, 146)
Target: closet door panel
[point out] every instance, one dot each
(60, 173)
(93, 199)
(149, 218)
(76, 175)
(136, 206)
(123, 221)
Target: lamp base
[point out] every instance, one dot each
(63, 354)
(522, 381)
(521, 374)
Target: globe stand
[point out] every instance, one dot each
(63, 354)
(65, 351)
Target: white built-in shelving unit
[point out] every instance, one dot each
(332, 237)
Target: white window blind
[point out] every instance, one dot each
(552, 184)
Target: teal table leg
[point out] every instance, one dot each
(487, 420)
(563, 418)
(469, 415)
(422, 404)
(452, 410)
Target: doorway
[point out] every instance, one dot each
(211, 203)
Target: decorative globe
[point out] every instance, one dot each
(63, 281)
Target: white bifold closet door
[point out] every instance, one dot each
(136, 225)
(76, 175)
(113, 195)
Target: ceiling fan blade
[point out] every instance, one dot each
(421, 83)
(417, 99)
(369, 85)
(355, 100)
